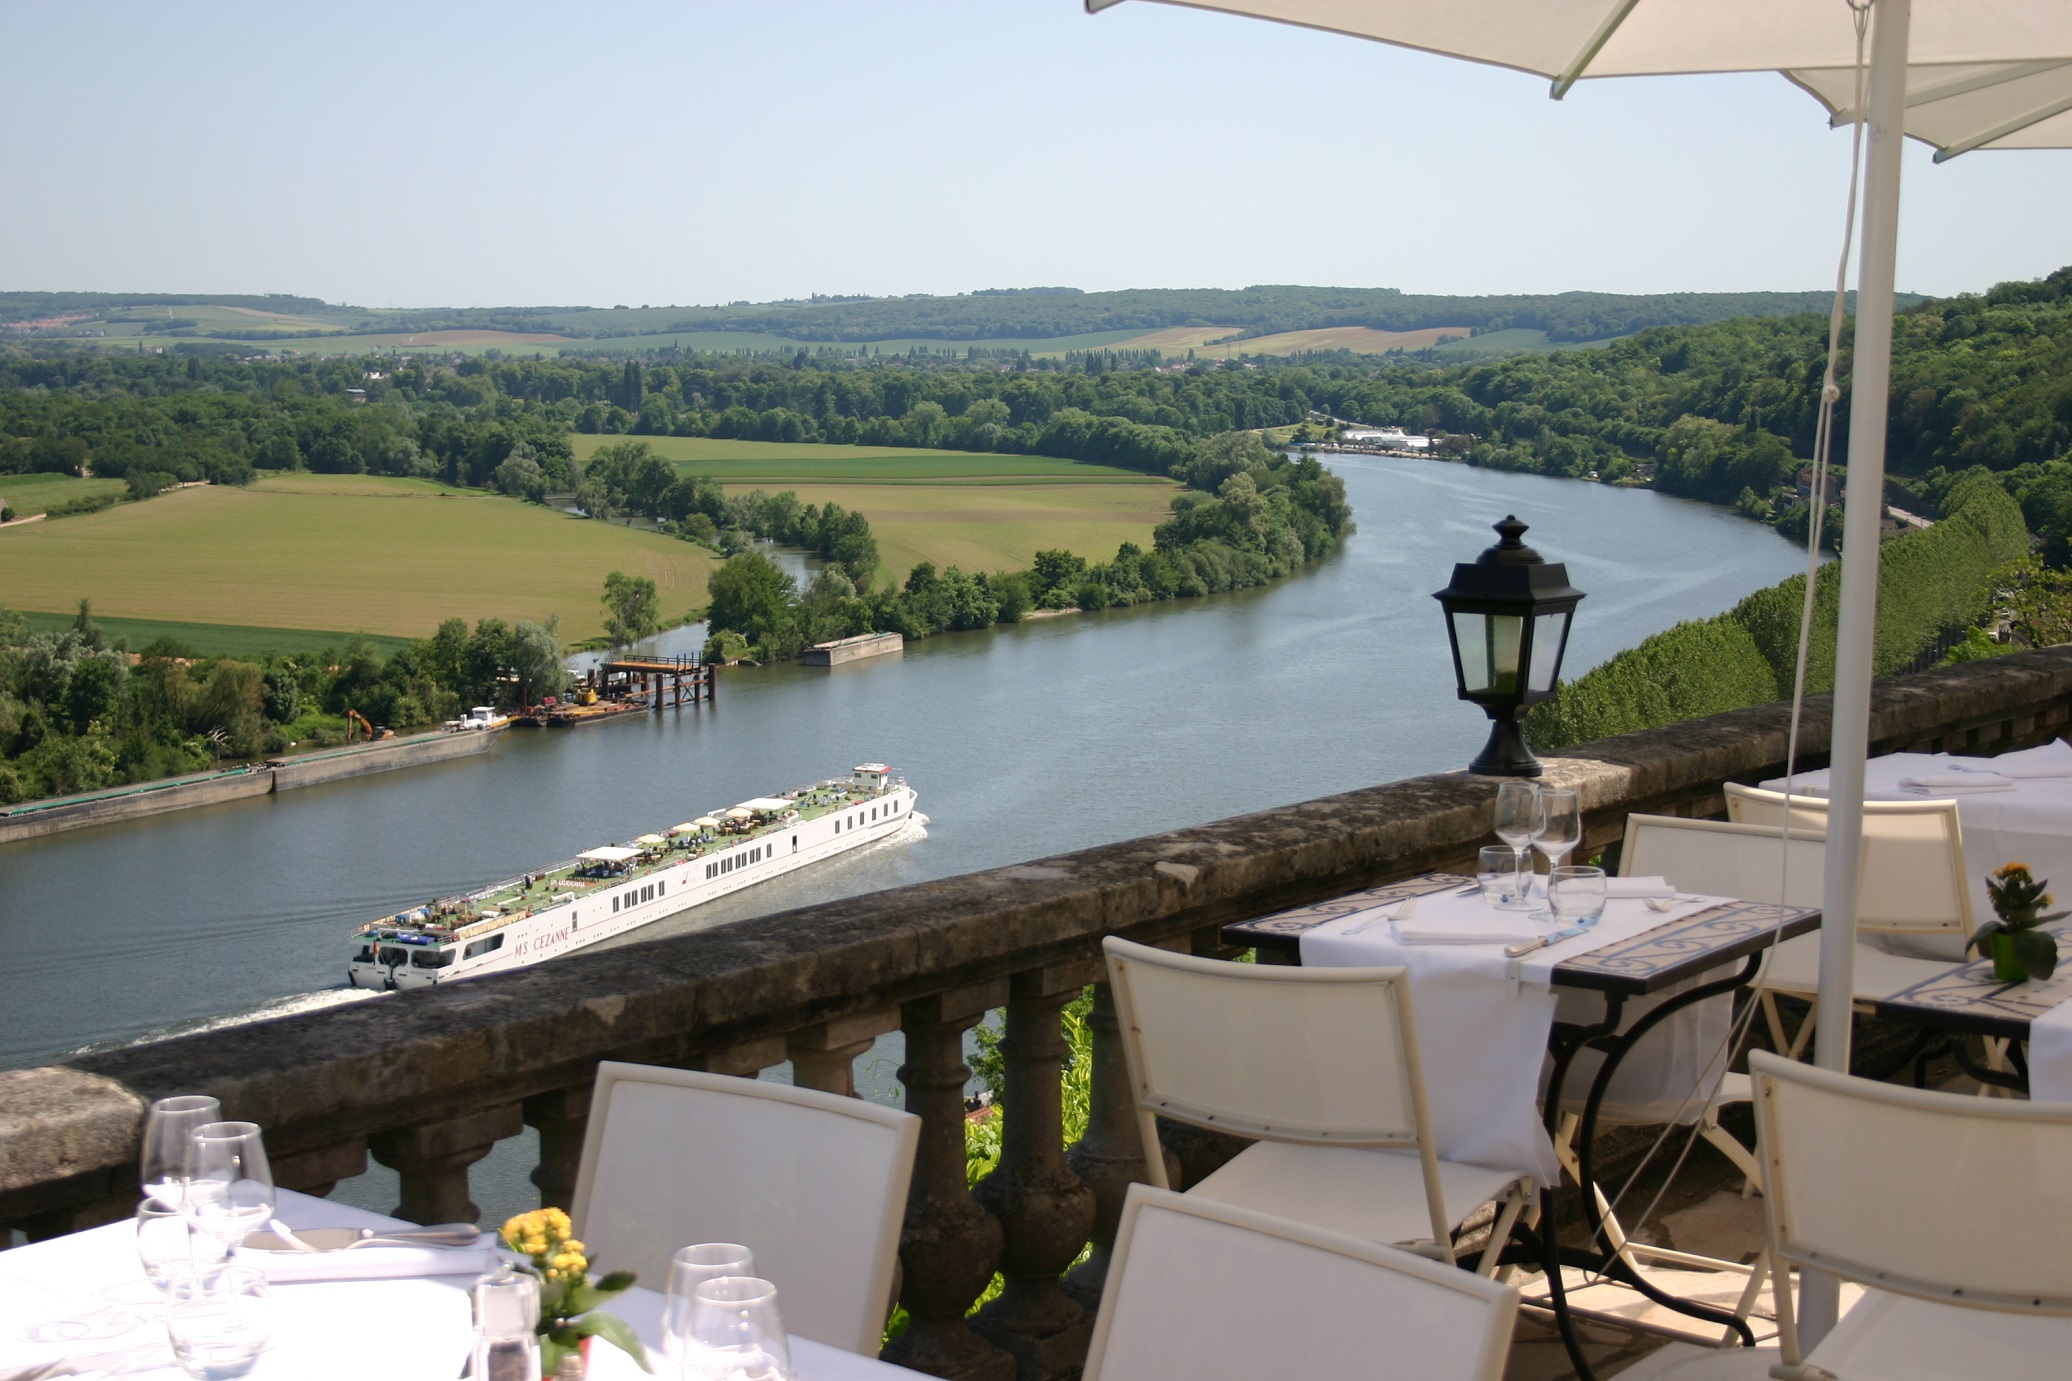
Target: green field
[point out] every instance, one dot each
(127, 335)
(31, 494)
(213, 639)
(954, 508)
(387, 556)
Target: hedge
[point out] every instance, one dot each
(1930, 583)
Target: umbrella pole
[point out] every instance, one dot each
(1870, 387)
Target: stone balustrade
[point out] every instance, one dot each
(427, 1082)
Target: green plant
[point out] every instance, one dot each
(2018, 902)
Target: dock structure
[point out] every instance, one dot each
(853, 649)
(662, 682)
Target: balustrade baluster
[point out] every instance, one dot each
(1111, 1154)
(1045, 1210)
(319, 1171)
(433, 1160)
(950, 1244)
(561, 1118)
(824, 1057)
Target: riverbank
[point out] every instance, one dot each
(112, 805)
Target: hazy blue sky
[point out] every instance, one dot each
(700, 151)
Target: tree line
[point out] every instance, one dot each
(79, 712)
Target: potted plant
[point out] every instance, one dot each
(569, 1299)
(2016, 942)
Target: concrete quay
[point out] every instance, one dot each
(32, 819)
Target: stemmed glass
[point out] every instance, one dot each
(169, 1127)
(737, 1333)
(1514, 817)
(1557, 824)
(690, 1268)
(229, 1183)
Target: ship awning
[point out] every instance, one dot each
(688, 827)
(705, 822)
(610, 853)
(765, 803)
(651, 840)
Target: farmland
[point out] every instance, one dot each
(980, 512)
(31, 494)
(347, 552)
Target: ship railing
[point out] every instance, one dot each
(429, 1082)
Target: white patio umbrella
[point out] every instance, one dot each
(1958, 74)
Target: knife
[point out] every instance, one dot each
(1528, 946)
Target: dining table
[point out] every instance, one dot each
(1500, 1034)
(2033, 1017)
(82, 1300)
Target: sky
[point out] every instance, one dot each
(701, 151)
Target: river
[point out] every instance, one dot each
(1050, 735)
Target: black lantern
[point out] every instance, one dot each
(1507, 617)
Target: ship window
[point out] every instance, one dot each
(647, 893)
(794, 843)
(615, 903)
(365, 955)
(394, 954)
(483, 946)
(432, 958)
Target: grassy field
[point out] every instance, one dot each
(955, 508)
(1361, 340)
(354, 552)
(213, 639)
(31, 494)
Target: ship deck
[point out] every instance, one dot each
(515, 898)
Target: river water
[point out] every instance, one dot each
(1051, 735)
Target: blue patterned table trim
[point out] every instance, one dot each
(1646, 963)
(1967, 997)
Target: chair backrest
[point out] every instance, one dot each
(1727, 860)
(1317, 1055)
(1212, 1292)
(1941, 1196)
(814, 1184)
(1913, 881)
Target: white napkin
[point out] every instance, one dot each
(1471, 930)
(2053, 759)
(1643, 888)
(371, 1263)
(1957, 783)
(2050, 1055)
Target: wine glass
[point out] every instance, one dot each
(1557, 824)
(1576, 895)
(1514, 816)
(737, 1333)
(688, 1269)
(169, 1245)
(168, 1126)
(229, 1183)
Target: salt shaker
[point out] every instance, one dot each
(507, 1311)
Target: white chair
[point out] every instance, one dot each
(1321, 1066)
(1213, 1292)
(1954, 1211)
(1913, 909)
(813, 1183)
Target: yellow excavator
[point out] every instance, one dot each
(354, 717)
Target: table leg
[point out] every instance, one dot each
(1562, 1043)
(1615, 1048)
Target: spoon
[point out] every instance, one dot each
(345, 1239)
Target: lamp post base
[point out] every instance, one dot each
(1505, 755)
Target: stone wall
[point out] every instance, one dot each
(428, 1081)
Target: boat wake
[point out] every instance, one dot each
(293, 1005)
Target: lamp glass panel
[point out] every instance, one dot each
(1489, 650)
(1547, 632)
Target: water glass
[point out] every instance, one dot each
(168, 1127)
(1557, 824)
(1576, 895)
(218, 1322)
(688, 1269)
(737, 1333)
(229, 1183)
(1503, 881)
(169, 1246)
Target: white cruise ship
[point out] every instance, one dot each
(608, 891)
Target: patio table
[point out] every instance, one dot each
(1965, 999)
(416, 1329)
(1664, 968)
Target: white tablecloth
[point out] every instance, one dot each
(2030, 824)
(393, 1330)
(1483, 1019)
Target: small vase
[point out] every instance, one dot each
(575, 1366)
(2007, 965)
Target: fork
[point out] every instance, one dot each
(1400, 913)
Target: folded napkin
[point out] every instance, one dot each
(2053, 759)
(1470, 930)
(1956, 783)
(370, 1263)
(1643, 888)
